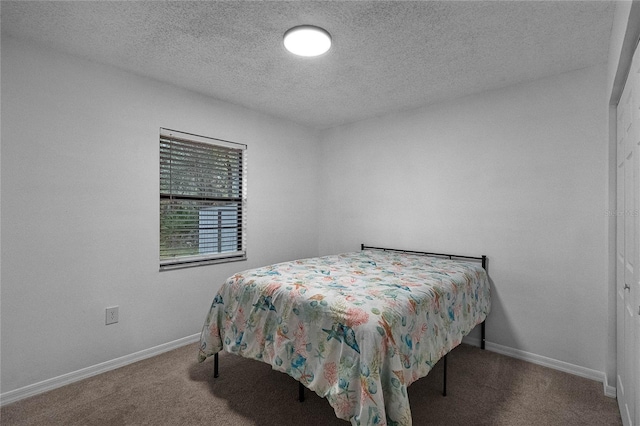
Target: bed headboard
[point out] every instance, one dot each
(483, 259)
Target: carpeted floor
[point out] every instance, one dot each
(484, 388)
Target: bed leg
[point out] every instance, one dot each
(215, 365)
(444, 385)
(482, 332)
(300, 392)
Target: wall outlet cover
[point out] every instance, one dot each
(111, 315)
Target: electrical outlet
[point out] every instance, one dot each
(112, 315)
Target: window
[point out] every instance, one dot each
(202, 200)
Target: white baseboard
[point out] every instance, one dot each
(65, 379)
(610, 391)
(566, 367)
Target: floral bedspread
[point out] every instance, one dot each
(356, 328)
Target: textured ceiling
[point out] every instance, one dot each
(386, 56)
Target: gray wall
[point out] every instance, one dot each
(80, 210)
(518, 174)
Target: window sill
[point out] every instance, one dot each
(204, 262)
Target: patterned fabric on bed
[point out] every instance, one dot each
(356, 328)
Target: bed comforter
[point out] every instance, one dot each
(356, 328)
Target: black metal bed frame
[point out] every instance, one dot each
(483, 259)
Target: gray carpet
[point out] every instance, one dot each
(484, 388)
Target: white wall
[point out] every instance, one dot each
(80, 210)
(518, 174)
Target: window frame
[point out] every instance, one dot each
(171, 198)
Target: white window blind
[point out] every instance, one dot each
(202, 200)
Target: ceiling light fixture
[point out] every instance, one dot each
(307, 40)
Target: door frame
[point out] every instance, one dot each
(627, 49)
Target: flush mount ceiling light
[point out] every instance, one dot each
(307, 40)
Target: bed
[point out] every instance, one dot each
(357, 328)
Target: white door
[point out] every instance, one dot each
(628, 248)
